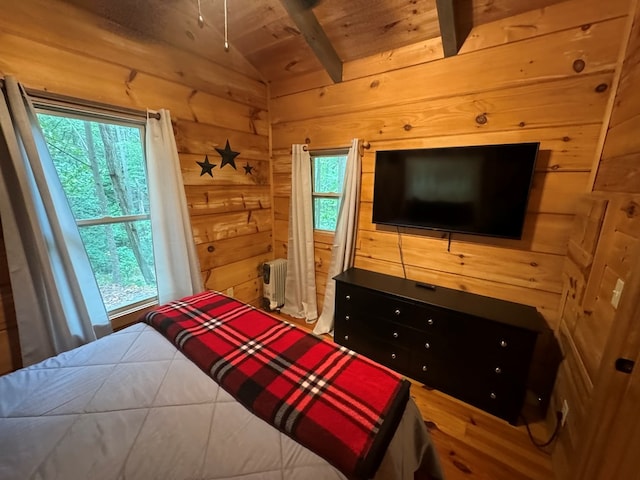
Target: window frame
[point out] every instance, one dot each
(333, 152)
(125, 314)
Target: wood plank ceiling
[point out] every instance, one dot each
(267, 44)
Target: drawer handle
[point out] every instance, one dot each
(503, 343)
(348, 297)
(393, 356)
(346, 317)
(346, 337)
(424, 368)
(395, 334)
(397, 312)
(493, 396)
(430, 321)
(427, 346)
(498, 370)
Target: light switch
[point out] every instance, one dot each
(617, 292)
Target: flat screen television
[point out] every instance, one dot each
(480, 189)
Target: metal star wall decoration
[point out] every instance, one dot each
(247, 169)
(228, 156)
(206, 166)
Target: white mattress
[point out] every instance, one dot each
(131, 406)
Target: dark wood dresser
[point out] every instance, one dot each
(478, 349)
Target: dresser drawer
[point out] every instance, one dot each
(493, 345)
(501, 398)
(432, 367)
(392, 355)
(351, 299)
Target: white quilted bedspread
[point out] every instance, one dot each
(131, 406)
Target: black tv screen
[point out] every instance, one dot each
(481, 190)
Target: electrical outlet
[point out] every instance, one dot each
(564, 412)
(617, 293)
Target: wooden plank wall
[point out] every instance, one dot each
(619, 169)
(53, 46)
(603, 249)
(544, 75)
(9, 343)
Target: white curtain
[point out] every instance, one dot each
(57, 301)
(300, 287)
(176, 259)
(344, 240)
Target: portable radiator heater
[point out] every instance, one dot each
(274, 275)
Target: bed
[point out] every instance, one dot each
(132, 405)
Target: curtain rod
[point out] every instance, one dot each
(364, 144)
(55, 97)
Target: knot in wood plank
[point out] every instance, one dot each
(578, 65)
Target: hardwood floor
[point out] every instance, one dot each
(474, 445)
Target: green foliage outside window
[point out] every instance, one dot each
(102, 170)
(328, 180)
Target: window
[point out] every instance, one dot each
(102, 169)
(327, 170)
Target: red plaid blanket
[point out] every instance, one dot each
(338, 404)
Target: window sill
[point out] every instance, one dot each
(129, 315)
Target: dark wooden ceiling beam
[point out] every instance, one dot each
(452, 28)
(306, 21)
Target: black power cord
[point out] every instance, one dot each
(404, 270)
(540, 446)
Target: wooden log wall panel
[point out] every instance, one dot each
(235, 273)
(619, 168)
(249, 292)
(9, 342)
(175, 23)
(621, 139)
(484, 11)
(588, 318)
(229, 250)
(201, 138)
(575, 378)
(9, 350)
(44, 67)
(543, 233)
(208, 199)
(619, 174)
(300, 82)
(273, 26)
(281, 162)
(567, 148)
(542, 21)
(54, 46)
(118, 45)
(292, 55)
(627, 103)
(534, 23)
(568, 101)
(227, 176)
(230, 225)
(281, 208)
(519, 267)
(525, 62)
(402, 57)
